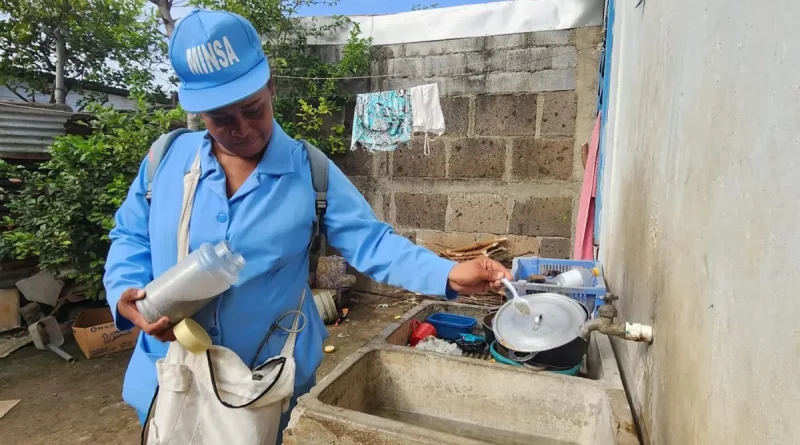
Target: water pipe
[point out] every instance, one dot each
(604, 324)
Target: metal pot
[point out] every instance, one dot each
(549, 336)
(545, 361)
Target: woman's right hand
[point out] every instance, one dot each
(126, 306)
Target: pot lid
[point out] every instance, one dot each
(555, 320)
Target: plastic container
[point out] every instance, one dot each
(591, 296)
(324, 300)
(189, 285)
(420, 331)
(451, 326)
(578, 277)
(192, 336)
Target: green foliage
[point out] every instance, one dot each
(108, 42)
(303, 106)
(65, 209)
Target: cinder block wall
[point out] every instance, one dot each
(517, 110)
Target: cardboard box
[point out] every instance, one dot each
(97, 336)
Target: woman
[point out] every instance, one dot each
(254, 190)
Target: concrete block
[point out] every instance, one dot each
(456, 115)
(454, 46)
(441, 65)
(477, 158)
(547, 80)
(505, 115)
(411, 162)
(559, 248)
(560, 111)
(541, 158)
(384, 52)
(542, 217)
(542, 38)
(420, 210)
(380, 164)
(433, 239)
(509, 60)
(522, 245)
(559, 37)
(355, 163)
(387, 208)
(476, 212)
(375, 201)
(379, 67)
(506, 41)
(397, 83)
(460, 86)
(563, 57)
(363, 184)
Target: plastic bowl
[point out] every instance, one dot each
(451, 326)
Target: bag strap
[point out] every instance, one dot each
(286, 352)
(317, 159)
(157, 152)
(319, 179)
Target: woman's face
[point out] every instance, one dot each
(243, 128)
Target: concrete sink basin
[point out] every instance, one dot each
(388, 394)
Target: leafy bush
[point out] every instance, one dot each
(65, 209)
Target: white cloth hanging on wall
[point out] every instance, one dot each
(385, 120)
(426, 110)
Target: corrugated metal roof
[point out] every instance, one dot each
(26, 131)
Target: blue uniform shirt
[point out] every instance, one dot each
(269, 221)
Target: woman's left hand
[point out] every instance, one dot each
(478, 275)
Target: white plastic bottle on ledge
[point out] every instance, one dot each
(190, 284)
(578, 277)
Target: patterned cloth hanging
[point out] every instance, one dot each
(382, 121)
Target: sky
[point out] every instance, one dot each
(347, 7)
(365, 7)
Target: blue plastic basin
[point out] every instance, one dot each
(450, 326)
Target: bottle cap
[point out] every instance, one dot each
(192, 336)
(595, 271)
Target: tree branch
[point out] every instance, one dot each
(164, 7)
(14, 91)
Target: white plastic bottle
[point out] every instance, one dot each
(189, 285)
(578, 277)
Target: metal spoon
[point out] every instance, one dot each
(522, 305)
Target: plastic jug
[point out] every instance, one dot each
(420, 331)
(189, 285)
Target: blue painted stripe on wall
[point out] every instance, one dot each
(605, 82)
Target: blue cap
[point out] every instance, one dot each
(218, 58)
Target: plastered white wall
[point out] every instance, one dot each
(700, 231)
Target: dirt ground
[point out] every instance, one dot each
(77, 403)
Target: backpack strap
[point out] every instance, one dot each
(319, 179)
(157, 152)
(317, 159)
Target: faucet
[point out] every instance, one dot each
(605, 325)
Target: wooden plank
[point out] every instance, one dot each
(9, 309)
